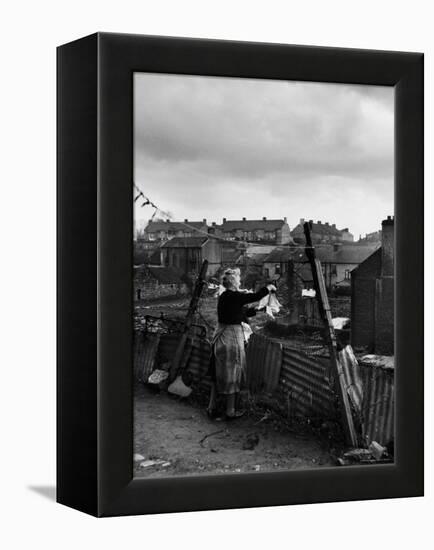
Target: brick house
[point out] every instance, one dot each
(323, 233)
(372, 297)
(262, 231)
(186, 254)
(337, 261)
(152, 282)
(161, 231)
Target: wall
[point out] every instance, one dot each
(363, 289)
(212, 251)
(153, 290)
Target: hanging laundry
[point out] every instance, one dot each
(247, 331)
(271, 304)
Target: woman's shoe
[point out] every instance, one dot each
(213, 414)
(237, 414)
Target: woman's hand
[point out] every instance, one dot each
(271, 288)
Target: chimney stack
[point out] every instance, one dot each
(301, 221)
(213, 224)
(387, 246)
(319, 222)
(244, 219)
(204, 220)
(185, 220)
(285, 220)
(224, 220)
(264, 219)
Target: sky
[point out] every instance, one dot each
(213, 147)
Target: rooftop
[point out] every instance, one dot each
(337, 254)
(251, 225)
(185, 242)
(320, 228)
(168, 225)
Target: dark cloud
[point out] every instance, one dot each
(265, 144)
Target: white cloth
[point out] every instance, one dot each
(271, 305)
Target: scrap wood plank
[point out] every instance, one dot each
(325, 312)
(194, 302)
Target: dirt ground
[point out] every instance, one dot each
(176, 437)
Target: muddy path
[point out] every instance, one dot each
(176, 437)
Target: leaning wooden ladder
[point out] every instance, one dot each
(194, 302)
(326, 316)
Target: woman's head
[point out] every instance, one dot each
(231, 279)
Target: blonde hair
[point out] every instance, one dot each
(231, 279)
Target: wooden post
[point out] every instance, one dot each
(194, 302)
(294, 294)
(326, 316)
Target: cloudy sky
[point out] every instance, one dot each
(211, 147)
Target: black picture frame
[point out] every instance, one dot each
(95, 225)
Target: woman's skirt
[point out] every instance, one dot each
(229, 358)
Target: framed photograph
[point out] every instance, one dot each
(240, 274)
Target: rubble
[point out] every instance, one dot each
(158, 376)
(376, 453)
(377, 450)
(251, 441)
(137, 457)
(148, 463)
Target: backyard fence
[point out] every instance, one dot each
(297, 375)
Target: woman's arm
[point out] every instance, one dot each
(248, 298)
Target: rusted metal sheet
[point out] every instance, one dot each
(199, 359)
(378, 416)
(145, 351)
(264, 361)
(304, 385)
(167, 348)
(352, 377)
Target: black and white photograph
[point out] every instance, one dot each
(263, 266)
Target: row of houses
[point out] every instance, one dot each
(184, 256)
(267, 231)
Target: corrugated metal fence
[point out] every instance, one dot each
(301, 380)
(298, 379)
(378, 404)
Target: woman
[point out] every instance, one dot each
(228, 353)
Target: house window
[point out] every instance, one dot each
(151, 236)
(277, 269)
(139, 293)
(347, 274)
(266, 272)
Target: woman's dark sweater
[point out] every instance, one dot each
(230, 305)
